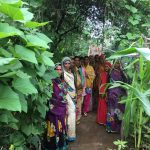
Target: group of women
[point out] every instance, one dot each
(81, 83)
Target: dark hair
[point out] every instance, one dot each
(76, 57)
(86, 57)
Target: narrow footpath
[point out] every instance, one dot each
(91, 136)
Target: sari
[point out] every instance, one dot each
(102, 107)
(56, 117)
(71, 102)
(90, 75)
(79, 82)
(115, 109)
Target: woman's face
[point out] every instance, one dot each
(86, 61)
(59, 70)
(117, 65)
(72, 63)
(107, 68)
(67, 65)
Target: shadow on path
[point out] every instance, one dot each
(91, 136)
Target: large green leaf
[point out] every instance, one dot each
(47, 61)
(14, 65)
(6, 30)
(11, 11)
(144, 100)
(42, 109)
(25, 54)
(145, 52)
(23, 102)
(41, 70)
(32, 24)
(27, 16)
(7, 117)
(9, 74)
(29, 129)
(122, 53)
(5, 53)
(43, 37)
(24, 86)
(17, 139)
(9, 99)
(36, 41)
(23, 75)
(4, 61)
(16, 3)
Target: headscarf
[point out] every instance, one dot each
(65, 59)
(57, 64)
(69, 78)
(108, 64)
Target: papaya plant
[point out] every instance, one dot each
(26, 70)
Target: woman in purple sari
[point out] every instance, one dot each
(56, 116)
(115, 109)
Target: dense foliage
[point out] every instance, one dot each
(26, 70)
(75, 24)
(68, 28)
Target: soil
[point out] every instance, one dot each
(92, 136)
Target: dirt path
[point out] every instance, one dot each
(91, 136)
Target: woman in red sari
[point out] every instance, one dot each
(102, 107)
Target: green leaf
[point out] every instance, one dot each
(9, 74)
(22, 75)
(16, 3)
(23, 102)
(145, 52)
(133, 1)
(27, 16)
(25, 54)
(41, 70)
(4, 118)
(131, 36)
(131, 8)
(11, 11)
(32, 24)
(47, 61)
(144, 100)
(29, 129)
(44, 37)
(13, 126)
(6, 30)
(7, 117)
(141, 63)
(4, 61)
(122, 53)
(131, 64)
(42, 109)
(48, 54)
(9, 99)
(14, 65)
(133, 21)
(146, 24)
(5, 53)
(24, 86)
(34, 40)
(17, 139)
